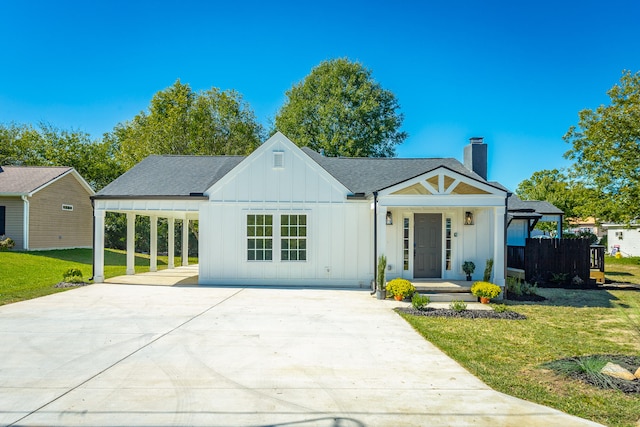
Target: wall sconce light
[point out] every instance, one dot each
(468, 218)
(389, 218)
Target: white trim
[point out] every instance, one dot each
(442, 201)
(71, 171)
(25, 223)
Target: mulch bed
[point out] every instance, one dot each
(630, 363)
(464, 314)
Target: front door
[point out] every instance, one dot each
(427, 241)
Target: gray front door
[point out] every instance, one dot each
(427, 241)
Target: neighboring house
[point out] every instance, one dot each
(577, 225)
(45, 207)
(286, 215)
(623, 238)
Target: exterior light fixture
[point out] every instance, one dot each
(468, 218)
(389, 218)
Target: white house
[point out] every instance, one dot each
(623, 238)
(286, 215)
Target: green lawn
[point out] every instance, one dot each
(508, 354)
(624, 270)
(26, 275)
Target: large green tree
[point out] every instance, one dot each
(47, 145)
(606, 147)
(341, 109)
(557, 187)
(181, 121)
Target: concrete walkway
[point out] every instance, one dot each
(122, 355)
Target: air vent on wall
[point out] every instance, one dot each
(278, 159)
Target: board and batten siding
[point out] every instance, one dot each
(339, 232)
(14, 220)
(51, 227)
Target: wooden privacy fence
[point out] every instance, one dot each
(544, 258)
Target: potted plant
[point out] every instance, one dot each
(400, 288)
(485, 291)
(381, 292)
(468, 267)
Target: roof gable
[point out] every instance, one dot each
(443, 181)
(27, 180)
(278, 170)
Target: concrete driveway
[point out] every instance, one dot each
(126, 355)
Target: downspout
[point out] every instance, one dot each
(93, 241)
(375, 243)
(25, 223)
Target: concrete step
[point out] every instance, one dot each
(449, 296)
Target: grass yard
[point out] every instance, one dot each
(26, 275)
(623, 270)
(508, 354)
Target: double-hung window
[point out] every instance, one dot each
(293, 237)
(259, 237)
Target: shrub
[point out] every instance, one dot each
(457, 305)
(559, 278)
(382, 266)
(468, 267)
(485, 290)
(487, 270)
(73, 275)
(501, 308)
(514, 286)
(6, 244)
(420, 302)
(400, 287)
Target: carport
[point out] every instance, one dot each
(184, 209)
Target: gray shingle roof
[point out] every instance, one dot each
(516, 204)
(170, 176)
(27, 179)
(366, 175)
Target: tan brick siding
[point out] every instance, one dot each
(51, 227)
(14, 219)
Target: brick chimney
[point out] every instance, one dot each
(475, 156)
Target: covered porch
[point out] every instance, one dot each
(176, 210)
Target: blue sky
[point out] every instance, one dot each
(515, 72)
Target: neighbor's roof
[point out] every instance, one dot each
(24, 180)
(170, 176)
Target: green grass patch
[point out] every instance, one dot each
(27, 275)
(510, 356)
(623, 270)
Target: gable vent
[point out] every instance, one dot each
(278, 159)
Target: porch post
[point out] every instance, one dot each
(153, 243)
(185, 241)
(98, 246)
(131, 243)
(499, 244)
(170, 241)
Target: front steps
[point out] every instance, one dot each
(441, 291)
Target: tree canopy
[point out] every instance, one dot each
(605, 147)
(339, 108)
(181, 121)
(557, 188)
(46, 145)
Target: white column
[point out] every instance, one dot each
(131, 243)
(499, 244)
(153, 243)
(98, 246)
(185, 241)
(170, 241)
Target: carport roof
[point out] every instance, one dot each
(170, 176)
